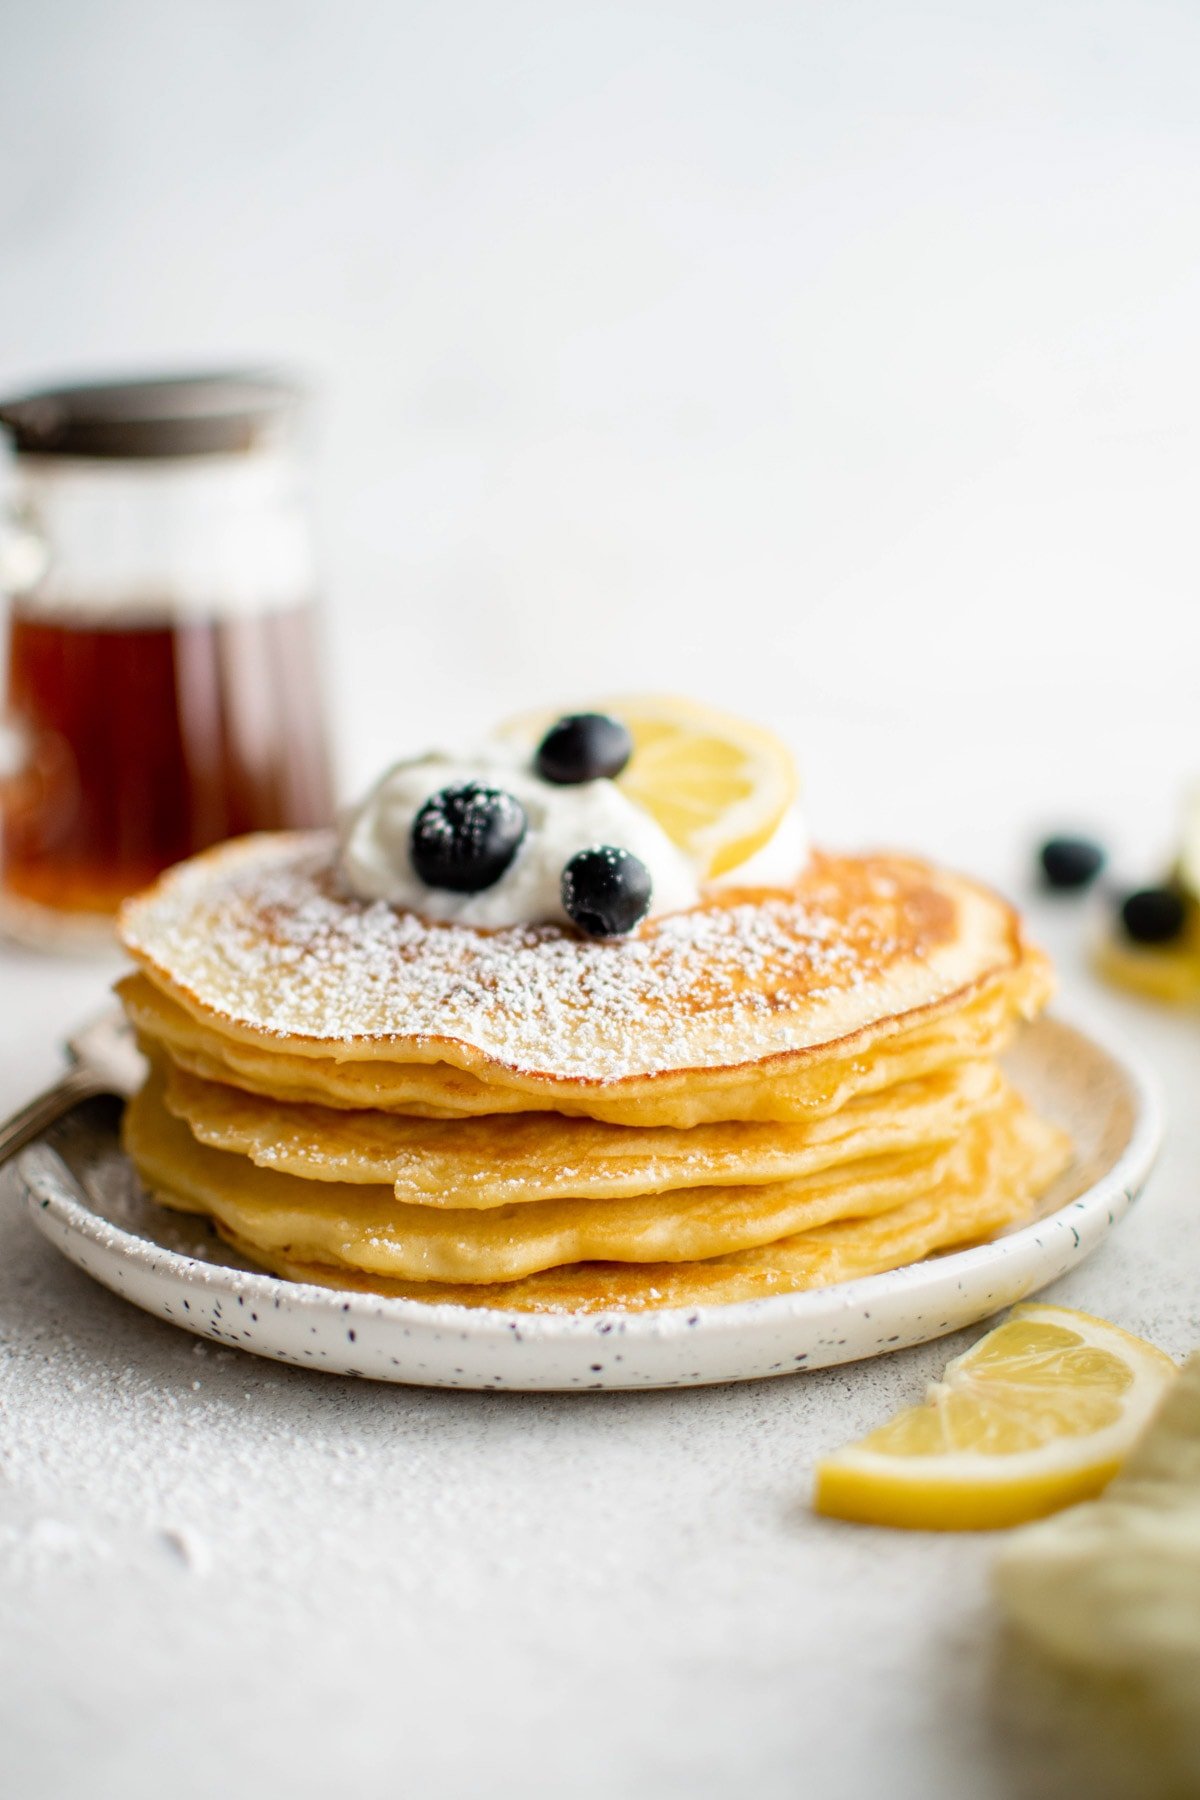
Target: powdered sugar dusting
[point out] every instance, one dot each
(262, 933)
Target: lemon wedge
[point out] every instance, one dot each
(1038, 1414)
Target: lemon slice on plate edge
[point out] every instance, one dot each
(1038, 1414)
(719, 786)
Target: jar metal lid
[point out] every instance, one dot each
(174, 415)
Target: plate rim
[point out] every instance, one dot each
(42, 1171)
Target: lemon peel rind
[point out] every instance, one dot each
(981, 1505)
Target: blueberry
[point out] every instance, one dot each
(1071, 862)
(582, 747)
(1153, 915)
(606, 891)
(465, 837)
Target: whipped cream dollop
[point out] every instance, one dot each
(376, 860)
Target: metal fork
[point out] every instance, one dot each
(104, 1060)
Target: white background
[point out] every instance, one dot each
(837, 362)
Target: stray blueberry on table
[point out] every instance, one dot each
(583, 747)
(1154, 915)
(606, 891)
(1071, 862)
(465, 837)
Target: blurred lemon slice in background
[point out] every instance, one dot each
(1038, 1414)
(1168, 972)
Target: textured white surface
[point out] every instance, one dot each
(837, 363)
(214, 1570)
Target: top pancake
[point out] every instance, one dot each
(258, 939)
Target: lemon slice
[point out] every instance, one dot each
(1169, 972)
(717, 785)
(1038, 1414)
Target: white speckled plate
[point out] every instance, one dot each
(83, 1196)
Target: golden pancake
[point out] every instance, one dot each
(506, 1160)
(419, 1090)
(258, 940)
(989, 1182)
(821, 1081)
(367, 1228)
(776, 1088)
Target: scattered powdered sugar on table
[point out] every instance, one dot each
(265, 935)
(34, 1545)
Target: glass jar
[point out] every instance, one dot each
(163, 684)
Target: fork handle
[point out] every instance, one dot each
(45, 1108)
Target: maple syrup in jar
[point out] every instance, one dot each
(163, 681)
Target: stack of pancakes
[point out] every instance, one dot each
(779, 1089)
